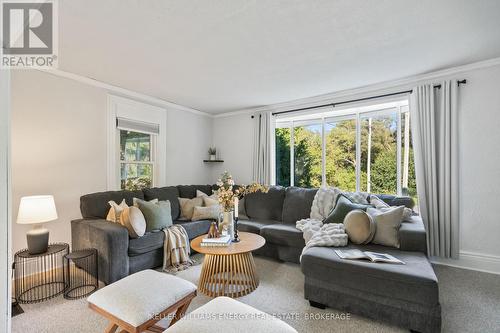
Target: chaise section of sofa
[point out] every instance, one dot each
(404, 295)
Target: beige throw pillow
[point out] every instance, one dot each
(133, 219)
(381, 204)
(387, 224)
(187, 207)
(205, 213)
(115, 211)
(359, 226)
(209, 201)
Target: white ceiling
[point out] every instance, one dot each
(225, 55)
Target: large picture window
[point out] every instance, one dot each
(366, 148)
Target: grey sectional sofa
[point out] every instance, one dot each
(405, 295)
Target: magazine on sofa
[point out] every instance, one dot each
(356, 254)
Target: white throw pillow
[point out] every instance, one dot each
(358, 197)
(381, 204)
(377, 202)
(205, 213)
(387, 224)
(209, 201)
(133, 219)
(115, 211)
(187, 207)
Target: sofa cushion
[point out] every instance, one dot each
(254, 225)
(415, 281)
(147, 243)
(170, 193)
(297, 204)
(195, 228)
(189, 191)
(283, 234)
(266, 206)
(95, 205)
(412, 235)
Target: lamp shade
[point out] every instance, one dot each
(37, 209)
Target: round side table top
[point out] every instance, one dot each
(248, 242)
(53, 248)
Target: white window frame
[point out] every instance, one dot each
(352, 111)
(152, 156)
(141, 112)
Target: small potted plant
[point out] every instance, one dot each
(212, 152)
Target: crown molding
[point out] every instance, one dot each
(368, 89)
(123, 92)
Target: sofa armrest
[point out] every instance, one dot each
(412, 235)
(111, 241)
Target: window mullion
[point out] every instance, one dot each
(358, 152)
(323, 153)
(292, 155)
(398, 153)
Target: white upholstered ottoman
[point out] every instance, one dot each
(137, 302)
(224, 314)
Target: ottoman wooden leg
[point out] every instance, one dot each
(180, 309)
(112, 327)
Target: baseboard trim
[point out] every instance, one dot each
(473, 261)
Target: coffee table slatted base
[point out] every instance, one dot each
(232, 275)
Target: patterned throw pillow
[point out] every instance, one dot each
(187, 207)
(115, 211)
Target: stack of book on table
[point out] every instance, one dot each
(219, 241)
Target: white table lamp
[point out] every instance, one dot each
(35, 210)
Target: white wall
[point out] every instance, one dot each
(5, 212)
(188, 138)
(59, 146)
(479, 159)
(233, 138)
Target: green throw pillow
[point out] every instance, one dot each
(158, 215)
(342, 208)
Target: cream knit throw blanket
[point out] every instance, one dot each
(323, 202)
(314, 232)
(318, 234)
(176, 250)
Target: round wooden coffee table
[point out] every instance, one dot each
(229, 271)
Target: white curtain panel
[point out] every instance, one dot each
(434, 121)
(261, 170)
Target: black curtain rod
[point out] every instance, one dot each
(438, 86)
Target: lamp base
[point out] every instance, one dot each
(38, 240)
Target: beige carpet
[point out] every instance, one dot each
(470, 302)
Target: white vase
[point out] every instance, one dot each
(212, 157)
(228, 221)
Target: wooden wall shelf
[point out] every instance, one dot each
(213, 161)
